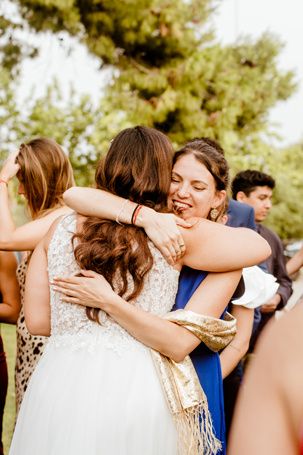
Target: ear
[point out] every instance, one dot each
(241, 197)
(219, 199)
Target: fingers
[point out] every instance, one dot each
(170, 254)
(178, 245)
(172, 248)
(66, 283)
(66, 291)
(180, 222)
(90, 274)
(68, 280)
(75, 300)
(13, 155)
(10, 167)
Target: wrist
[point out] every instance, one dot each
(145, 217)
(112, 304)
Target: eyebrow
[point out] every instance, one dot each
(265, 194)
(192, 181)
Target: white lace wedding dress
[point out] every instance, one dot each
(95, 390)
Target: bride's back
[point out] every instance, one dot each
(69, 322)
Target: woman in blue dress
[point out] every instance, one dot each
(198, 188)
(186, 188)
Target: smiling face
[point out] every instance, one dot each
(193, 190)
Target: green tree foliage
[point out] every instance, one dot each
(13, 49)
(8, 111)
(286, 166)
(170, 73)
(70, 123)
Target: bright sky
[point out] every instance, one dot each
(232, 19)
(283, 18)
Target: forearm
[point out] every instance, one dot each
(37, 316)
(231, 356)
(8, 314)
(161, 228)
(217, 248)
(233, 353)
(159, 334)
(37, 310)
(295, 263)
(92, 290)
(100, 203)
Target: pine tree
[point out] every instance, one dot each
(169, 72)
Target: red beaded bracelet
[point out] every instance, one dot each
(136, 213)
(4, 181)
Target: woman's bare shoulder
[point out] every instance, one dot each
(280, 349)
(285, 332)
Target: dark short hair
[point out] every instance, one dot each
(248, 180)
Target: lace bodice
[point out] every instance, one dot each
(69, 323)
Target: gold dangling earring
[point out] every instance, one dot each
(214, 214)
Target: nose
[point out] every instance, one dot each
(268, 204)
(183, 191)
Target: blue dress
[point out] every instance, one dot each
(206, 362)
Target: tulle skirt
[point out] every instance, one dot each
(93, 402)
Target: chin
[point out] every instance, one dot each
(183, 214)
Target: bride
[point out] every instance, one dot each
(96, 389)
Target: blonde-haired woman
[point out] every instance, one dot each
(44, 173)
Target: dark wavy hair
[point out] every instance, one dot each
(138, 167)
(209, 153)
(248, 180)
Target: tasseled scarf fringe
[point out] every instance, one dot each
(185, 396)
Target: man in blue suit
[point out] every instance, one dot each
(240, 215)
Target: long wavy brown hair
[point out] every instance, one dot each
(138, 167)
(45, 172)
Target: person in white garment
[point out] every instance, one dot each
(96, 389)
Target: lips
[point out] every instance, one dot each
(178, 205)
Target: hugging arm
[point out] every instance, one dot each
(234, 351)
(37, 292)
(161, 228)
(174, 341)
(295, 263)
(218, 248)
(26, 237)
(211, 246)
(9, 287)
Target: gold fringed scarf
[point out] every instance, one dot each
(185, 396)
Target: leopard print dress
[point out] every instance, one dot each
(29, 348)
